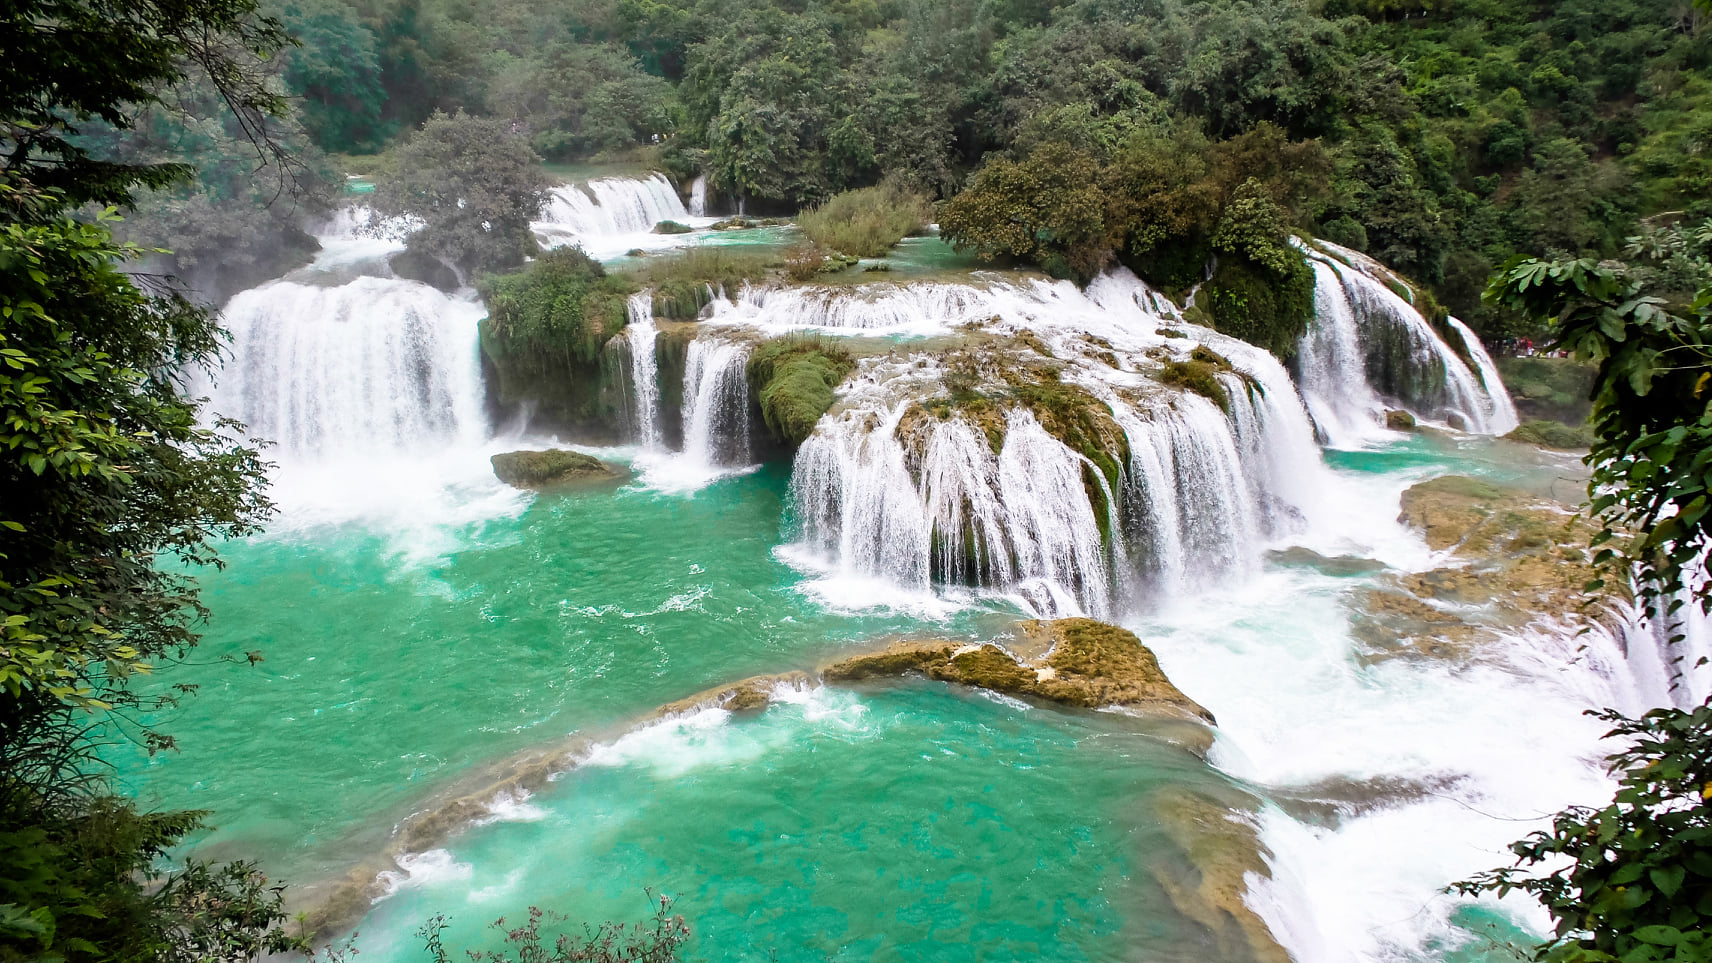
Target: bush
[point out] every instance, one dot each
(1260, 306)
(867, 222)
(1201, 377)
(559, 311)
(795, 380)
(681, 282)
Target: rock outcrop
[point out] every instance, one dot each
(1076, 662)
(1514, 558)
(545, 469)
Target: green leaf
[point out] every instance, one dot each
(1668, 879)
(1659, 935)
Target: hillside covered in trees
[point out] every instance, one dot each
(1441, 137)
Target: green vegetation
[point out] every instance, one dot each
(672, 227)
(1631, 880)
(556, 314)
(1554, 389)
(1260, 306)
(794, 379)
(112, 493)
(867, 222)
(683, 283)
(1200, 374)
(475, 184)
(1645, 326)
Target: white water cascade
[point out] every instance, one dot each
(716, 403)
(608, 206)
(698, 196)
(640, 336)
(881, 490)
(376, 364)
(1504, 418)
(1368, 349)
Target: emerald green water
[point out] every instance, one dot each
(902, 821)
(910, 822)
(385, 676)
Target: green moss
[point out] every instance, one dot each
(534, 469)
(1259, 306)
(1549, 388)
(795, 381)
(1551, 434)
(682, 283)
(1198, 376)
(672, 227)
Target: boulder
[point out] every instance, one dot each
(542, 469)
(1398, 420)
(1076, 662)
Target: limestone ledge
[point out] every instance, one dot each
(1512, 558)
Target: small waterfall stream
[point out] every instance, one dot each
(716, 403)
(698, 196)
(640, 336)
(1369, 349)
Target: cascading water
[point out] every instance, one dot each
(923, 308)
(716, 403)
(1503, 409)
(1368, 349)
(698, 196)
(372, 365)
(640, 336)
(610, 205)
(879, 491)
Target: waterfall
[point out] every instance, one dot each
(1368, 349)
(1503, 409)
(609, 205)
(644, 370)
(698, 196)
(924, 308)
(716, 403)
(373, 365)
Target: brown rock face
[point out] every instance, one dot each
(1516, 559)
(1078, 662)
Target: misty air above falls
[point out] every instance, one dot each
(1004, 446)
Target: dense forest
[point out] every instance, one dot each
(1439, 137)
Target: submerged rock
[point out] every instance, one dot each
(755, 692)
(1334, 565)
(541, 469)
(1076, 662)
(1220, 842)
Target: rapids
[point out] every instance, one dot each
(429, 633)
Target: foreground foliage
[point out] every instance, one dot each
(1633, 881)
(659, 940)
(1645, 327)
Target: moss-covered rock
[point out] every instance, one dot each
(1517, 559)
(1399, 420)
(1549, 389)
(430, 270)
(795, 382)
(543, 469)
(1552, 434)
(1076, 662)
(672, 227)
